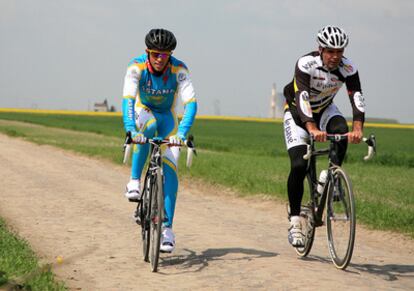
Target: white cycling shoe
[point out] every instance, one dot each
(132, 191)
(167, 240)
(295, 236)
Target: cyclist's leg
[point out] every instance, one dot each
(167, 127)
(147, 124)
(171, 183)
(296, 177)
(333, 121)
(295, 138)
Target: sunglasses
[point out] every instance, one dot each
(157, 54)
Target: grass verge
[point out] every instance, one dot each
(19, 266)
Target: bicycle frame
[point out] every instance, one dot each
(324, 203)
(152, 208)
(318, 203)
(318, 206)
(150, 212)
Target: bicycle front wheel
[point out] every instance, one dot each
(307, 212)
(157, 217)
(144, 211)
(341, 219)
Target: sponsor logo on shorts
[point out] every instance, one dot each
(288, 131)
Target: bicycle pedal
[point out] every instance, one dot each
(137, 220)
(134, 200)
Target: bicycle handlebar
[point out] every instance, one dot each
(370, 141)
(189, 142)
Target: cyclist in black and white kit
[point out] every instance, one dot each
(310, 110)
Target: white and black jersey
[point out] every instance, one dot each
(314, 87)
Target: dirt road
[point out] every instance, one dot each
(68, 205)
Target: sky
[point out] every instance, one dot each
(69, 54)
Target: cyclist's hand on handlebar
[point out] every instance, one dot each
(355, 136)
(175, 140)
(138, 137)
(318, 135)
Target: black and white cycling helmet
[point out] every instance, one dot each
(160, 39)
(332, 37)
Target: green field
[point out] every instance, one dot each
(251, 158)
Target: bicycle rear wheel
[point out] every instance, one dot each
(145, 215)
(157, 217)
(341, 220)
(307, 213)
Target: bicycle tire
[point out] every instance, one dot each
(157, 217)
(145, 218)
(307, 212)
(340, 219)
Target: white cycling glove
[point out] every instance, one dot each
(175, 140)
(139, 138)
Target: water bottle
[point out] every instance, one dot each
(322, 180)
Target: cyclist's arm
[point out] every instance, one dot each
(313, 130)
(187, 93)
(356, 135)
(130, 91)
(353, 86)
(301, 85)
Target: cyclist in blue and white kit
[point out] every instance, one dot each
(152, 84)
(310, 110)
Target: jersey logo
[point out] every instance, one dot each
(181, 77)
(359, 101)
(348, 68)
(304, 104)
(309, 64)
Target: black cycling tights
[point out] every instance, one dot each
(337, 124)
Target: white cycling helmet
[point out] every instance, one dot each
(332, 37)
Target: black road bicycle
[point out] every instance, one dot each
(150, 212)
(335, 204)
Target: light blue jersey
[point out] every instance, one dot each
(149, 101)
(143, 88)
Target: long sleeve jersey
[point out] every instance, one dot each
(158, 92)
(314, 87)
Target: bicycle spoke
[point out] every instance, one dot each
(307, 214)
(341, 222)
(156, 220)
(145, 225)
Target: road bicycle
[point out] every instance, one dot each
(150, 213)
(334, 204)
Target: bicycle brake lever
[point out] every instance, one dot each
(308, 153)
(127, 147)
(191, 151)
(372, 147)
